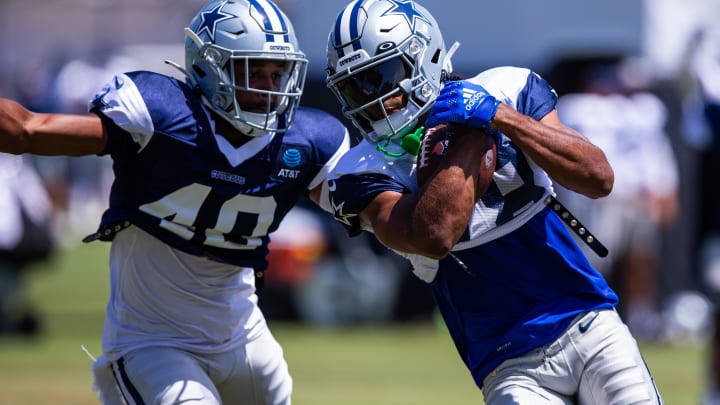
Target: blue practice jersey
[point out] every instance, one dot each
(516, 279)
(180, 181)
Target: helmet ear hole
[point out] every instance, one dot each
(198, 72)
(210, 78)
(436, 56)
(222, 100)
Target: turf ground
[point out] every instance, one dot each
(381, 364)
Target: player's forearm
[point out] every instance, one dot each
(427, 224)
(442, 213)
(397, 230)
(14, 120)
(22, 131)
(567, 156)
(445, 204)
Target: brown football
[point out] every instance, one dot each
(434, 146)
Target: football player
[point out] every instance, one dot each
(205, 169)
(531, 319)
(702, 114)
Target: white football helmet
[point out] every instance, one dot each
(379, 49)
(223, 39)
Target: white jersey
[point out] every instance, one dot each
(631, 132)
(22, 190)
(164, 297)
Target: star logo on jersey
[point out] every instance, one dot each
(337, 209)
(407, 10)
(210, 19)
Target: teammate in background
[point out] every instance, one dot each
(204, 171)
(26, 238)
(615, 109)
(702, 122)
(531, 319)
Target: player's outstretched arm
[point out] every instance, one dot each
(23, 131)
(431, 221)
(565, 154)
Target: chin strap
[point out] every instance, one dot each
(410, 142)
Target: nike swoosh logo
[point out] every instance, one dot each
(584, 326)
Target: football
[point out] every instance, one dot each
(434, 146)
(432, 149)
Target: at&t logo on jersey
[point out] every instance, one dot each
(288, 173)
(291, 161)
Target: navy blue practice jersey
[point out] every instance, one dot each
(180, 181)
(516, 279)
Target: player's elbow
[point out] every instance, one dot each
(430, 242)
(592, 181)
(434, 252)
(435, 243)
(606, 187)
(435, 235)
(603, 180)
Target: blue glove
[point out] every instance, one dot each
(462, 102)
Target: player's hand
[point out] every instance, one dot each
(463, 102)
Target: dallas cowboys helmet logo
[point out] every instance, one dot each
(407, 10)
(209, 20)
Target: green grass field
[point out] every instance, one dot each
(381, 364)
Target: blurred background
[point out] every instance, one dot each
(637, 77)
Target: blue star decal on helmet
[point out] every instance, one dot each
(406, 9)
(209, 20)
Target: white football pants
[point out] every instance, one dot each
(595, 361)
(255, 374)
